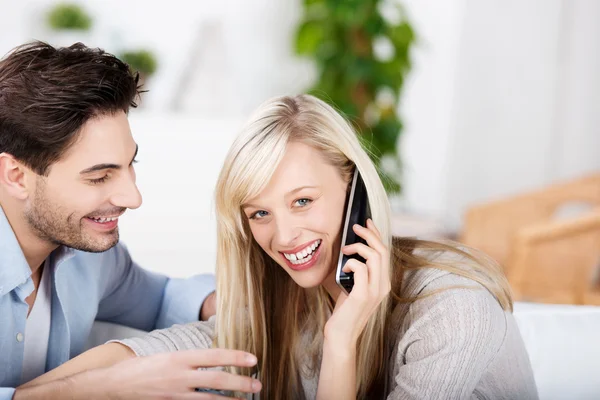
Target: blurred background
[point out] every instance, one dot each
(483, 115)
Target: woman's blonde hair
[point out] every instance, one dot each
(260, 309)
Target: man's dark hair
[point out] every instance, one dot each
(47, 94)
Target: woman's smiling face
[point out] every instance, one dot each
(297, 218)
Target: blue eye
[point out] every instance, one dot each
(259, 215)
(303, 202)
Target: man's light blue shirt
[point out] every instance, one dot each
(86, 287)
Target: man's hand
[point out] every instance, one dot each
(168, 375)
(209, 307)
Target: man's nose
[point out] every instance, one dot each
(128, 194)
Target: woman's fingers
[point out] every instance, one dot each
(371, 226)
(361, 276)
(362, 250)
(385, 256)
(377, 257)
(373, 263)
(377, 268)
(371, 237)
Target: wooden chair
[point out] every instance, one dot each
(545, 259)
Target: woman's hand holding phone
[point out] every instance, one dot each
(352, 312)
(371, 285)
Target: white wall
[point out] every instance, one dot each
(427, 104)
(173, 232)
(504, 97)
(240, 49)
(578, 146)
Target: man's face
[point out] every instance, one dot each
(79, 202)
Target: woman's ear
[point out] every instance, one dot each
(14, 177)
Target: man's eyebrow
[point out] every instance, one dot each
(100, 167)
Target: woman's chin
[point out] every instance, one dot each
(311, 276)
(307, 280)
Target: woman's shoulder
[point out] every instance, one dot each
(451, 330)
(445, 269)
(431, 290)
(443, 290)
(443, 306)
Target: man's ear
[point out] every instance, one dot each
(14, 176)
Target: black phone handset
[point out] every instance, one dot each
(357, 212)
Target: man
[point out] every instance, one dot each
(66, 176)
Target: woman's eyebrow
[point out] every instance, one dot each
(300, 188)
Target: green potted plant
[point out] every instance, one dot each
(66, 16)
(68, 23)
(142, 61)
(361, 52)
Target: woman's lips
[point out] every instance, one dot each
(314, 256)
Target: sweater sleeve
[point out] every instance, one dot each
(195, 335)
(450, 338)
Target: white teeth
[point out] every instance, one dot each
(104, 220)
(303, 255)
(297, 262)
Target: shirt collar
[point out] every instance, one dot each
(14, 269)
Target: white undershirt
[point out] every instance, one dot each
(37, 330)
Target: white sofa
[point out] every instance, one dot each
(563, 344)
(173, 233)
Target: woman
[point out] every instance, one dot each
(424, 320)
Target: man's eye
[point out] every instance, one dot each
(99, 180)
(259, 215)
(303, 202)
